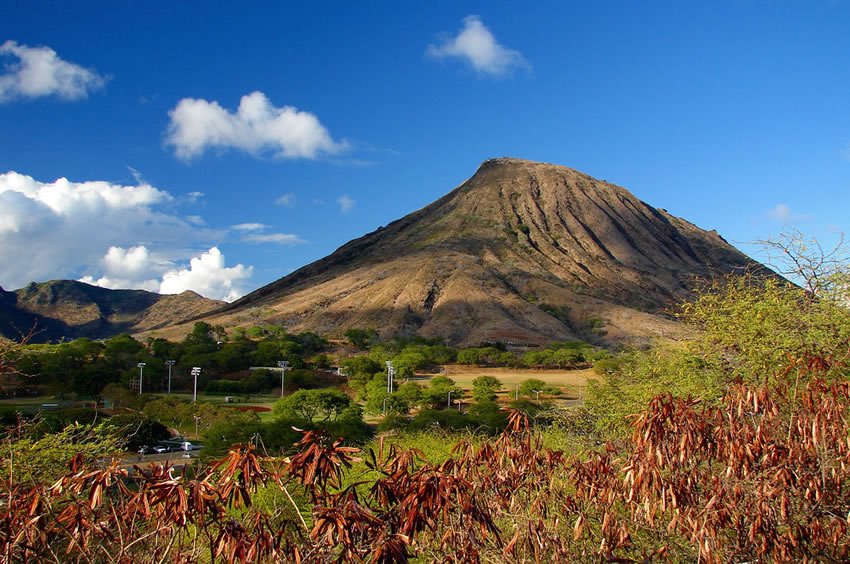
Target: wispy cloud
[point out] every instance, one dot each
(784, 214)
(845, 152)
(250, 226)
(254, 233)
(280, 238)
(39, 72)
(257, 127)
(476, 46)
(286, 200)
(346, 203)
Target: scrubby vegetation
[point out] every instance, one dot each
(730, 447)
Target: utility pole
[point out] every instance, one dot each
(141, 366)
(196, 371)
(390, 374)
(169, 364)
(283, 365)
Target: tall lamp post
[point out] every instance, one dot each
(449, 402)
(169, 364)
(141, 366)
(537, 399)
(197, 418)
(283, 365)
(390, 374)
(196, 371)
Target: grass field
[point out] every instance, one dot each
(463, 376)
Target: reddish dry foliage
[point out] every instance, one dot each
(760, 476)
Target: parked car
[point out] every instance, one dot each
(146, 449)
(159, 449)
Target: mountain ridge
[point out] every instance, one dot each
(69, 309)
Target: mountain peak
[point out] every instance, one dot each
(522, 251)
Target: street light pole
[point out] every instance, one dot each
(283, 365)
(449, 402)
(390, 373)
(537, 399)
(385, 404)
(141, 366)
(197, 418)
(196, 371)
(169, 364)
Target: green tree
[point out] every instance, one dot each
(436, 395)
(411, 394)
(530, 386)
(314, 406)
(407, 363)
(487, 415)
(361, 338)
(484, 388)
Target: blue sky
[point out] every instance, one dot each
(733, 115)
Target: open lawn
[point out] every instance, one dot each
(463, 376)
(33, 402)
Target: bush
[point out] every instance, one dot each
(135, 430)
(445, 419)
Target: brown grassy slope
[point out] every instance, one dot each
(522, 252)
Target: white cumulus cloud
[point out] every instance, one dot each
(346, 203)
(114, 235)
(476, 46)
(38, 72)
(257, 127)
(208, 276)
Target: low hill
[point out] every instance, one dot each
(69, 309)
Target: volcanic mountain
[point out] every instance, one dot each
(66, 309)
(522, 252)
